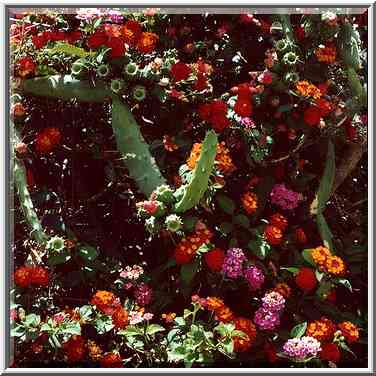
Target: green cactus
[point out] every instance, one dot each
(140, 163)
(348, 45)
(136, 154)
(194, 191)
(356, 87)
(66, 87)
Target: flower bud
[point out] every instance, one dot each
(117, 86)
(56, 244)
(103, 71)
(290, 58)
(139, 93)
(173, 222)
(130, 70)
(165, 194)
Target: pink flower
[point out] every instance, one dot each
(284, 197)
(143, 294)
(59, 317)
(265, 78)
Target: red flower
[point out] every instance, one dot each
(351, 130)
(17, 110)
(205, 111)
(112, 360)
(106, 302)
(39, 276)
(201, 82)
(219, 123)
(47, 140)
(75, 348)
(273, 235)
(312, 116)
(300, 33)
(99, 38)
(22, 276)
(180, 71)
(278, 220)
(306, 279)
(26, 66)
(332, 296)
(117, 47)
(73, 36)
(214, 259)
(54, 135)
(39, 40)
(330, 352)
(242, 344)
(219, 107)
(182, 257)
(324, 106)
(243, 107)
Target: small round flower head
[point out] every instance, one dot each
(130, 70)
(139, 93)
(273, 301)
(291, 77)
(115, 16)
(143, 294)
(265, 319)
(282, 45)
(56, 244)
(232, 266)
(284, 198)
(300, 348)
(173, 223)
(117, 86)
(290, 58)
(165, 194)
(132, 273)
(254, 276)
(77, 67)
(152, 225)
(103, 70)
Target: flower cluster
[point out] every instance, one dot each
(215, 113)
(284, 197)
(307, 89)
(328, 262)
(132, 272)
(301, 348)
(28, 275)
(47, 140)
(254, 276)
(326, 54)
(267, 317)
(249, 202)
(233, 263)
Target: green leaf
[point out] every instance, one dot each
(242, 220)
(189, 223)
(69, 49)
(298, 330)
(226, 204)
(60, 258)
(88, 253)
(307, 256)
(154, 328)
(325, 232)
(103, 324)
(324, 289)
(326, 183)
(179, 321)
(344, 282)
(73, 328)
(291, 269)
(346, 348)
(260, 248)
(131, 331)
(319, 275)
(17, 331)
(32, 320)
(188, 272)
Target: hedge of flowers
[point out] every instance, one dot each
(189, 189)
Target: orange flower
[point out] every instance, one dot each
(95, 352)
(131, 31)
(335, 265)
(187, 248)
(283, 288)
(242, 344)
(349, 331)
(300, 236)
(120, 318)
(326, 54)
(224, 314)
(213, 303)
(320, 254)
(39, 276)
(106, 302)
(147, 42)
(223, 158)
(249, 202)
(168, 317)
(322, 330)
(273, 235)
(278, 220)
(306, 89)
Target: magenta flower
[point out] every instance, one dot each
(284, 198)
(143, 294)
(273, 302)
(266, 320)
(233, 264)
(300, 348)
(254, 276)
